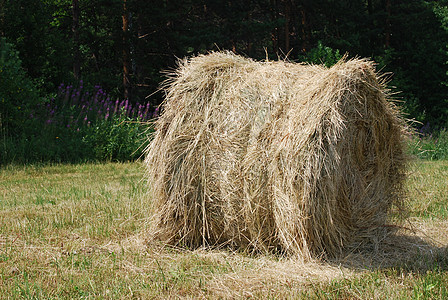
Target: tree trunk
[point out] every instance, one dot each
(370, 7)
(126, 63)
(75, 30)
(388, 25)
(2, 17)
(287, 24)
(275, 31)
(371, 24)
(304, 29)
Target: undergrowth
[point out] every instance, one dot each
(431, 146)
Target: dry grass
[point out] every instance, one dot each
(274, 156)
(79, 232)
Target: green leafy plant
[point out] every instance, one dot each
(18, 93)
(322, 54)
(116, 139)
(77, 125)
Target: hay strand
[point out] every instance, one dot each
(274, 155)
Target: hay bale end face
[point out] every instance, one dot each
(274, 155)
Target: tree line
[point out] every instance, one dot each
(126, 45)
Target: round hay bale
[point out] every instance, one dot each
(274, 155)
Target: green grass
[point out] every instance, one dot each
(429, 146)
(78, 231)
(428, 189)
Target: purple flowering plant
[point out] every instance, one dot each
(76, 106)
(106, 128)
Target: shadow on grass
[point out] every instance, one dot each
(404, 249)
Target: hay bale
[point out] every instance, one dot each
(274, 155)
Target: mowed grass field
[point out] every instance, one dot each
(78, 231)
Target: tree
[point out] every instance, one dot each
(414, 51)
(75, 29)
(18, 94)
(32, 28)
(125, 45)
(126, 55)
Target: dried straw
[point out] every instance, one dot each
(274, 155)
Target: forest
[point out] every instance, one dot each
(78, 78)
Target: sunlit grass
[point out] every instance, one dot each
(428, 189)
(78, 231)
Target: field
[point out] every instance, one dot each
(78, 231)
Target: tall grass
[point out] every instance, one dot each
(431, 145)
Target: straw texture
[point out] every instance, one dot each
(274, 156)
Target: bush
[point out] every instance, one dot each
(18, 93)
(322, 55)
(117, 139)
(80, 125)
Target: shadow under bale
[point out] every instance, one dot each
(274, 155)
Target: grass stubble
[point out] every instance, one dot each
(78, 231)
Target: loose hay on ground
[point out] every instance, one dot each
(274, 156)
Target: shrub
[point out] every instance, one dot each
(118, 139)
(18, 93)
(80, 124)
(322, 55)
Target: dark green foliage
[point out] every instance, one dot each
(417, 56)
(322, 55)
(18, 94)
(33, 26)
(407, 38)
(79, 126)
(113, 140)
